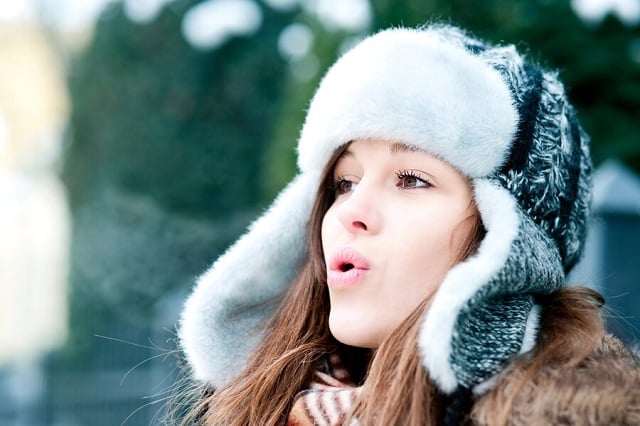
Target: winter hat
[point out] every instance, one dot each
(502, 121)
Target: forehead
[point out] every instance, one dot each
(364, 149)
(364, 146)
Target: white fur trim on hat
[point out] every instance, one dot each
(412, 86)
(531, 330)
(223, 317)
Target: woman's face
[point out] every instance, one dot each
(396, 227)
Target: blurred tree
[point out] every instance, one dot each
(153, 115)
(280, 156)
(162, 167)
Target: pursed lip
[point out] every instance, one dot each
(347, 267)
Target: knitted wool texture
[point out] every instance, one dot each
(501, 120)
(548, 172)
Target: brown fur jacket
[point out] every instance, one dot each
(604, 389)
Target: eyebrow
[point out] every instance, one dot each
(394, 148)
(397, 147)
(346, 153)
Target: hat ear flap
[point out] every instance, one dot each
(494, 331)
(223, 317)
(484, 311)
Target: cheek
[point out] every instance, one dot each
(324, 229)
(328, 229)
(465, 241)
(426, 238)
(426, 252)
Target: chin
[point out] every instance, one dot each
(344, 332)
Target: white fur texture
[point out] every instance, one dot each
(414, 87)
(500, 218)
(221, 320)
(531, 329)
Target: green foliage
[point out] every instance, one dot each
(280, 157)
(152, 115)
(163, 164)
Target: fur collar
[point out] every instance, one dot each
(604, 389)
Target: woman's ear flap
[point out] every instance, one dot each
(223, 317)
(483, 313)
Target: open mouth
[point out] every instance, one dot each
(347, 259)
(346, 267)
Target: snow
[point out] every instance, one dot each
(73, 15)
(347, 15)
(17, 11)
(295, 41)
(211, 23)
(143, 11)
(594, 11)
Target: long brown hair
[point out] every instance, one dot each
(397, 388)
(296, 339)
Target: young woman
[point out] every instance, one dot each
(414, 271)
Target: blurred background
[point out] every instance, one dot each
(139, 137)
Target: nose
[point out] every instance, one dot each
(360, 211)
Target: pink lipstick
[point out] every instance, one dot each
(347, 268)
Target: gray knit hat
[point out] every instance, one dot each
(502, 121)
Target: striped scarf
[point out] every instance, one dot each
(329, 398)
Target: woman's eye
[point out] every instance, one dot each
(342, 186)
(409, 180)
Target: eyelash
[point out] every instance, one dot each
(403, 174)
(336, 185)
